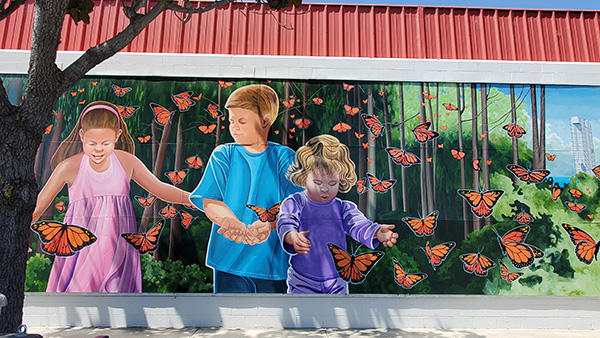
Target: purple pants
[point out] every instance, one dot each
(298, 283)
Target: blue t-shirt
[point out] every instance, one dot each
(238, 177)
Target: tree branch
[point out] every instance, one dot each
(5, 12)
(184, 9)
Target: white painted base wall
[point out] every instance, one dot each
(311, 311)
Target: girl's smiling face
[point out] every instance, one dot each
(98, 144)
(321, 186)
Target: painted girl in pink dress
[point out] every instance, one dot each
(97, 162)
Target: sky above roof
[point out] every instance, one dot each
(529, 4)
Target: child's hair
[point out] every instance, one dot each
(261, 99)
(98, 114)
(323, 153)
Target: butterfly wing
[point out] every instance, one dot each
(508, 276)
(186, 219)
(303, 122)
(361, 186)
(168, 212)
(373, 124)
(422, 227)
(161, 114)
(194, 162)
(353, 269)
(576, 207)
(423, 134)
(146, 242)
(342, 127)
(523, 218)
(586, 248)
(62, 239)
(380, 186)
(477, 264)
(177, 176)
(260, 212)
(556, 190)
(402, 157)
(145, 201)
(406, 280)
(519, 253)
(182, 100)
(438, 253)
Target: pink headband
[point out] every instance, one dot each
(102, 106)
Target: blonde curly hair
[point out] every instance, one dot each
(323, 153)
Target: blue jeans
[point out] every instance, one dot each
(225, 282)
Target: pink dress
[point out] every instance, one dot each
(100, 202)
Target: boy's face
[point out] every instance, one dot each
(322, 187)
(247, 128)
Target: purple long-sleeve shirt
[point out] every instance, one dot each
(328, 223)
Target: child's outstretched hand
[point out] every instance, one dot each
(258, 232)
(299, 241)
(386, 236)
(233, 230)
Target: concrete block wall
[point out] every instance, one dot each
(324, 68)
(312, 311)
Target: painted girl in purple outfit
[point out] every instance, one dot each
(310, 219)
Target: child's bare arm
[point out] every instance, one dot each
(142, 176)
(220, 214)
(299, 241)
(386, 236)
(55, 183)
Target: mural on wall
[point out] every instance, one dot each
(447, 188)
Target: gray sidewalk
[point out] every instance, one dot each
(296, 333)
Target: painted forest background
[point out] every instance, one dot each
(474, 153)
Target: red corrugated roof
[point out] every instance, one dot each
(342, 30)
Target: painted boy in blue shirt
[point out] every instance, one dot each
(243, 252)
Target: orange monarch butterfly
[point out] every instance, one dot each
(289, 103)
(361, 186)
(365, 145)
(476, 165)
(358, 135)
(81, 90)
(213, 111)
(120, 91)
(190, 206)
(266, 215)
(406, 280)
(428, 96)
(60, 206)
(586, 248)
(550, 157)
(168, 212)
(48, 129)
(512, 244)
(523, 218)
(73, 93)
(351, 110)
(145, 201)
(449, 106)
(81, 102)
(526, 175)
(370, 160)
(207, 129)
(303, 122)
(317, 100)
(423, 134)
(422, 226)
(514, 130)
(476, 263)
(596, 171)
(508, 276)
(224, 84)
(556, 190)
(575, 193)
(373, 124)
(176, 176)
(144, 139)
(351, 268)
(481, 202)
(161, 114)
(380, 186)
(293, 130)
(347, 87)
(342, 127)
(62, 239)
(438, 254)
(197, 98)
(186, 219)
(146, 242)
(459, 155)
(125, 111)
(576, 207)
(194, 162)
(182, 100)
(94, 83)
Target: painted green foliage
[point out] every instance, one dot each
(432, 184)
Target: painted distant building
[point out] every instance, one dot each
(583, 145)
